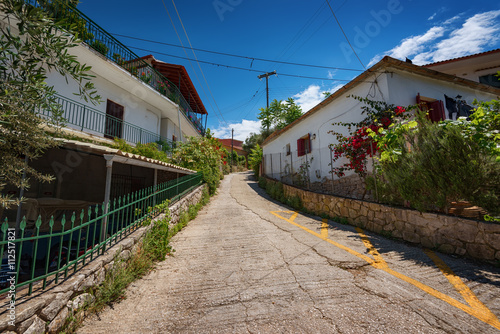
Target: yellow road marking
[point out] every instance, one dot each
(487, 317)
(372, 250)
(460, 286)
(324, 229)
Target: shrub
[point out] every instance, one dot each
(100, 47)
(255, 159)
(202, 154)
(433, 164)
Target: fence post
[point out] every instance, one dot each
(308, 173)
(331, 167)
(107, 193)
(374, 173)
(281, 169)
(272, 170)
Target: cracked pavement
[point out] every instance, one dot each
(238, 268)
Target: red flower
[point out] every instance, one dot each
(399, 110)
(225, 162)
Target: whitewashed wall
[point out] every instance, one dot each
(395, 87)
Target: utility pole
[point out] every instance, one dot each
(232, 146)
(267, 75)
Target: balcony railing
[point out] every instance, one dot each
(101, 41)
(83, 117)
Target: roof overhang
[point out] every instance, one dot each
(115, 155)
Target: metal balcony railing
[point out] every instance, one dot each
(70, 18)
(83, 117)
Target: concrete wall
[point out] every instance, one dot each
(47, 310)
(453, 235)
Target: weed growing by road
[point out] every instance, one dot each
(276, 191)
(153, 248)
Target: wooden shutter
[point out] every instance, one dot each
(300, 147)
(436, 112)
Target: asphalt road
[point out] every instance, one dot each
(248, 264)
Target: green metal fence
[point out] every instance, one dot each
(50, 251)
(101, 41)
(88, 118)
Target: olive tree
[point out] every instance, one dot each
(31, 46)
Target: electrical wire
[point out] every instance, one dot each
(340, 26)
(196, 74)
(235, 67)
(199, 66)
(240, 56)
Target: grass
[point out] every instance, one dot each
(154, 248)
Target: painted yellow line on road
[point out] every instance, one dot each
(372, 250)
(487, 317)
(460, 286)
(324, 229)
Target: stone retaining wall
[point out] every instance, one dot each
(452, 235)
(47, 310)
(352, 186)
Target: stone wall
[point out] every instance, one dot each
(47, 310)
(352, 186)
(452, 235)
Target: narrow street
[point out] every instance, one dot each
(248, 264)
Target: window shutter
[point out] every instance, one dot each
(300, 147)
(436, 112)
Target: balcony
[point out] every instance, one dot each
(101, 41)
(83, 117)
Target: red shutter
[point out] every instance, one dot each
(309, 142)
(436, 112)
(300, 147)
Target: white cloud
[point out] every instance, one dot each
(313, 95)
(442, 42)
(412, 45)
(309, 97)
(241, 130)
(453, 19)
(477, 31)
(331, 74)
(432, 17)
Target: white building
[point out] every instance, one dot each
(480, 67)
(306, 141)
(140, 104)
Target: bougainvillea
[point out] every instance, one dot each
(359, 144)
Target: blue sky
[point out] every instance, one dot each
(292, 31)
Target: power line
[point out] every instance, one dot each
(235, 67)
(196, 74)
(199, 66)
(340, 26)
(240, 56)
